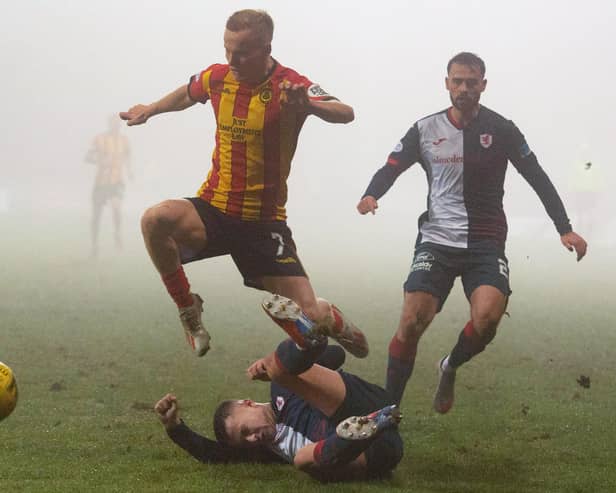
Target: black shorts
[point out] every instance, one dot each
(103, 193)
(361, 397)
(435, 267)
(258, 248)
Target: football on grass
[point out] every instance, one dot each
(8, 391)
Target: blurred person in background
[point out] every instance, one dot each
(110, 153)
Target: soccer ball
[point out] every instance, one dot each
(8, 391)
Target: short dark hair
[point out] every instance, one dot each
(223, 411)
(257, 20)
(469, 59)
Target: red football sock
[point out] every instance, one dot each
(178, 287)
(400, 365)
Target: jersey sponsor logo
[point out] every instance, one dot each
(485, 140)
(525, 149)
(398, 147)
(455, 159)
(316, 91)
(265, 96)
(279, 402)
(239, 130)
(438, 141)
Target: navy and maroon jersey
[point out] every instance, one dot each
(297, 423)
(256, 138)
(465, 168)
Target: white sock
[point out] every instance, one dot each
(445, 365)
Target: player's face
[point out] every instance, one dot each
(250, 424)
(465, 85)
(247, 55)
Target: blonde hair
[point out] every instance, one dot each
(258, 21)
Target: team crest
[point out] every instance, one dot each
(485, 140)
(279, 402)
(265, 96)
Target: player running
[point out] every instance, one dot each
(260, 107)
(464, 151)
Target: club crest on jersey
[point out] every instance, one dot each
(279, 402)
(485, 140)
(265, 96)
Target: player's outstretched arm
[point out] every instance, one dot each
(202, 448)
(333, 111)
(177, 100)
(573, 241)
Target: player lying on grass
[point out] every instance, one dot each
(331, 424)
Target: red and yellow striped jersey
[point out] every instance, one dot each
(255, 141)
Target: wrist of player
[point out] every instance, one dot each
(172, 423)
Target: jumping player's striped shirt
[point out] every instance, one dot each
(255, 141)
(466, 168)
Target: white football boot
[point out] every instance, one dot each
(364, 427)
(196, 334)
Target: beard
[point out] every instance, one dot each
(465, 103)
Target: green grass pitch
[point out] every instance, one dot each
(95, 344)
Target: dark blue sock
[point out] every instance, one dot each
(400, 363)
(335, 450)
(296, 360)
(469, 344)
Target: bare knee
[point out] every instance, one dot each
(485, 323)
(414, 323)
(485, 326)
(158, 219)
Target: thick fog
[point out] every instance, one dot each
(68, 66)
